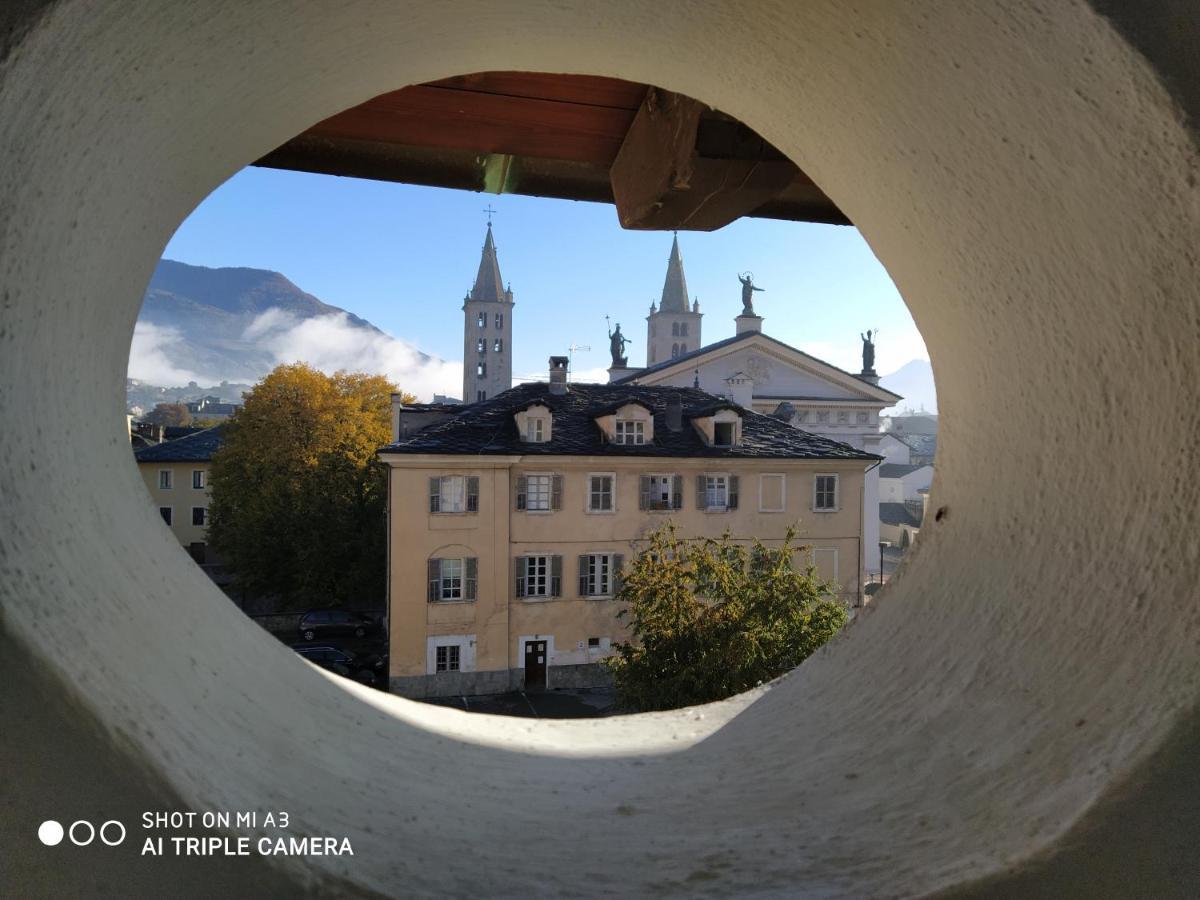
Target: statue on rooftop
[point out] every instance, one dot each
(868, 353)
(748, 289)
(616, 345)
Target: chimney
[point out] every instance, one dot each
(674, 414)
(558, 374)
(396, 404)
(740, 389)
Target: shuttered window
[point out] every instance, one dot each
(598, 574)
(538, 576)
(539, 493)
(661, 492)
(452, 579)
(454, 494)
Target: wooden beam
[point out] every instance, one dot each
(452, 119)
(660, 180)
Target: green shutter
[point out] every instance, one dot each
(677, 492)
(522, 489)
(472, 578)
(519, 568)
(733, 492)
(473, 493)
(583, 575)
(435, 494)
(433, 572)
(644, 493)
(556, 576)
(617, 581)
(556, 492)
(701, 493)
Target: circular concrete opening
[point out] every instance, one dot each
(1025, 181)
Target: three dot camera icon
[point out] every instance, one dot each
(81, 833)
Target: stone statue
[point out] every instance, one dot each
(616, 345)
(748, 290)
(868, 354)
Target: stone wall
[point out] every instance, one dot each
(496, 681)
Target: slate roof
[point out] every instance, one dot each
(924, 444)
(898, 514)
(488, 428)
(897, 470)
(744, 336)
(196, 447)
(434, 407)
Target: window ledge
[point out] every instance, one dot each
(599, 512)
(449, 602)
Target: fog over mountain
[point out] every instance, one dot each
(914, 382)
(212, 325)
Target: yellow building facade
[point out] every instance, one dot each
(176, 474)
(504, 557)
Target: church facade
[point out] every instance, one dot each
(764, 374)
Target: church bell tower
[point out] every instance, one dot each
(673, 327)
(487, 330)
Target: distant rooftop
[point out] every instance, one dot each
(896, 470)
(196, 447)
(898, 514)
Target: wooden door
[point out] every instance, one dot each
(535, 665)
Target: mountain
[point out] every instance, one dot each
(914, 382)
(194, 322)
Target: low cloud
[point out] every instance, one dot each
(150, 354)
(332, 343)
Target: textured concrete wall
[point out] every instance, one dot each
(1030, 185)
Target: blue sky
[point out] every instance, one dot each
(402, 256)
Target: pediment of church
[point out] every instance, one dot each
(777, 370)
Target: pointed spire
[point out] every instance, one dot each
(488, 284)
(674, 295)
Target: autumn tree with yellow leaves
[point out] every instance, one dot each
(298, 495)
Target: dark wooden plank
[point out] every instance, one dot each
(423, 116)
(589, 90)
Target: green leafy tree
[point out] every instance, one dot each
(168, 414)
(298, 495)
(711, 618)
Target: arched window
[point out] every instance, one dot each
(674, 350)
(674, 329)
(682, 349)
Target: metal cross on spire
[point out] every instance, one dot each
(488, 209)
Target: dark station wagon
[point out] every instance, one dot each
(335, 621)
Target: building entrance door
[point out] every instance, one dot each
(535, 665)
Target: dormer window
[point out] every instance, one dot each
(720, 428)
(630, 432)
(534, 424)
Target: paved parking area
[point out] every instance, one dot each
(594, 703)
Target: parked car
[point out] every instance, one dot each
(335, 621)
(338, 661)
